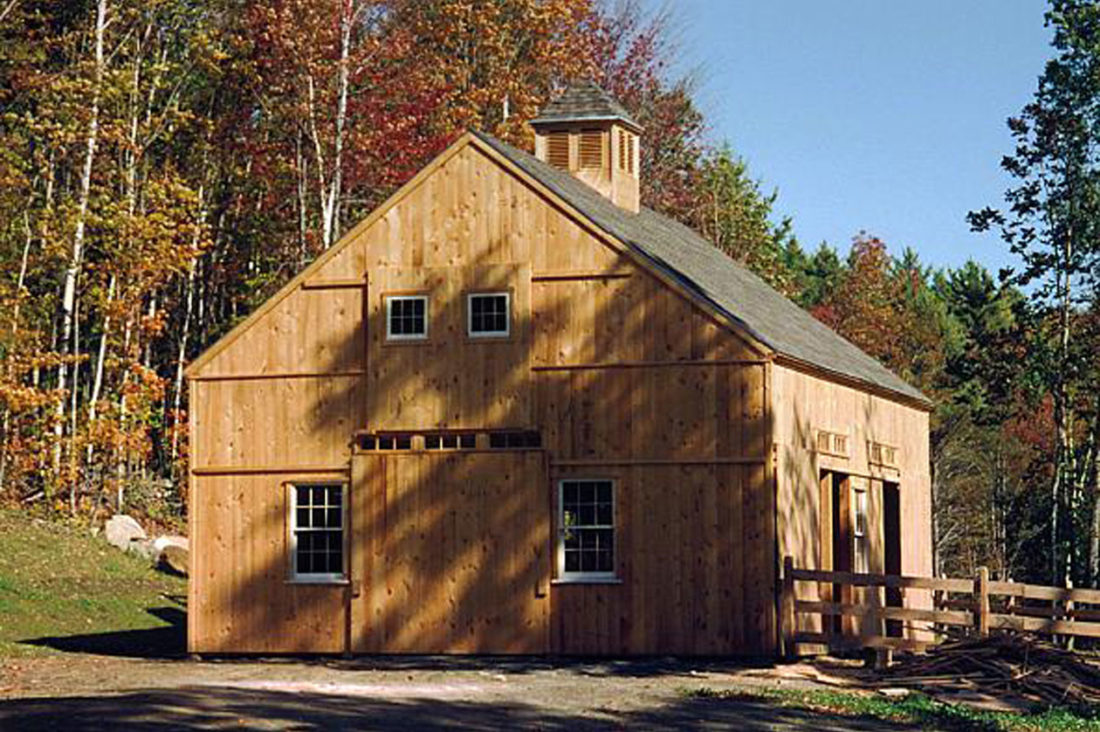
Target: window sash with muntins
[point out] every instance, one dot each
(586, 529)
(488, 315)
(406, 317)
(317, 515)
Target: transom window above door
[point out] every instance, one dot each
(487, 314)
(406, 317)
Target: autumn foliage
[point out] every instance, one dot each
(165, 166)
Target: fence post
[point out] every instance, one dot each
(1069, 612)
(786, 608)
(981, 602)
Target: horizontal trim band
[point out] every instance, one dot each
(584, 462)
(573, 276)
(265, 469)
(649, 364)
(287, 375)
(334, 284)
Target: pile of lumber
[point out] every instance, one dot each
(1002, 665)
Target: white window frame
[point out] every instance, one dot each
(292, 502)
(390, 335)
(507, 332)
(581, 577)
(860, 540)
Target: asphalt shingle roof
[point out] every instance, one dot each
(584, 100)
(711, 275)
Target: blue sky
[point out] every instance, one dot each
(884, 115)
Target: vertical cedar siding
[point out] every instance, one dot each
(624, 378)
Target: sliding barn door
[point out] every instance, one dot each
(451, 552)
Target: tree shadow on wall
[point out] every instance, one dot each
(693, 549)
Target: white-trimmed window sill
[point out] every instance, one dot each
(321, 582)
(586, 581)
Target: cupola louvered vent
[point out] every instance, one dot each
(591, 149)
(557, 150)
(586, 133)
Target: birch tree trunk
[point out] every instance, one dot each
(76, 256)
(5, 423)
(185, 329)
(1063, 456)
(97, 379)
(330, 190)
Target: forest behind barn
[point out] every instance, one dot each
(166, 166)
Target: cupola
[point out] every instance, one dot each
(588, 134)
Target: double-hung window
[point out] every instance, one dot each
(406, 317)
(586, 528)
(317, 512)
(487, 315)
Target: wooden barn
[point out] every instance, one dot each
(513, 411)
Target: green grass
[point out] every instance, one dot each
(915, 709)
(58, 581)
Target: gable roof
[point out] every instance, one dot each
(669, 247)
(584, 100)
(709, 274)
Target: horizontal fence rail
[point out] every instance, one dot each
(878, 616)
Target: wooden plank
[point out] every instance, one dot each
(981, 602)
(302, 469)
(667, 462)
(320, 284)
(882, 580)
(567, 276)
(357, 373)
(788, 606)
(1040, 592)
(855, 643)
(735, 589)
(1042, 625)
(1075, 613)
(947, 617)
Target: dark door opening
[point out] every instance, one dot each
(891, 524)
(834, 541)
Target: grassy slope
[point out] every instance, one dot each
(59, 582)
(916, 710)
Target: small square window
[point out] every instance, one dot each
(406, 317)
(487, 314)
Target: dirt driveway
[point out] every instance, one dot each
(93, 692)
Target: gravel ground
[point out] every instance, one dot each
(90, 692)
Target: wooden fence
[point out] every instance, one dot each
(979, 605)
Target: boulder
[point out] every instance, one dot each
(174, 558)
(169, 540)
(144, 548)
(121, 530)
(895, 693)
